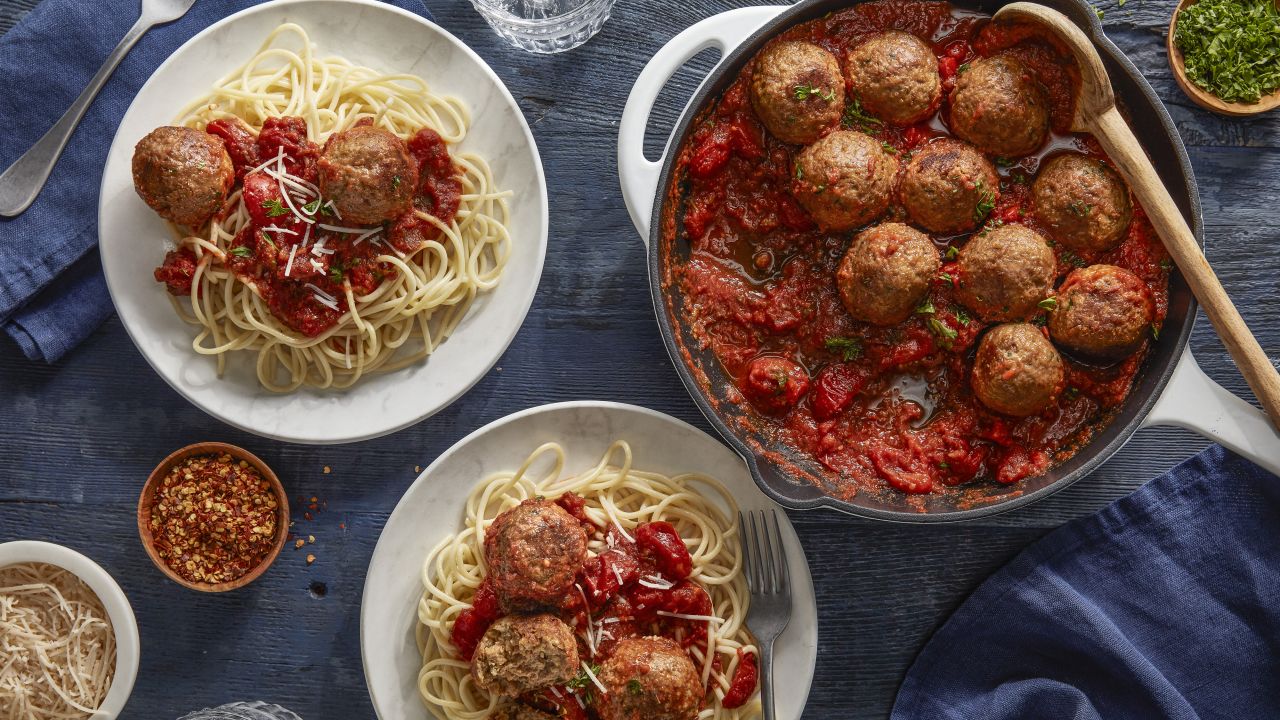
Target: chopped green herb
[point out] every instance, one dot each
(1073, 392)
(1040, 320)
(926, 308)
(849, 348)
(1166, 265)
(963, 317)
(1072, 258)
(799, 172)
(274, 208)
(241, 251)
(1120, 3)
(395, 182)
(1155, 332)
(267, 239)
(780, 378)
(1048, 303)
(582, 680)
(944, 465)
(963, 67)
(953, 252)
(1079, 209)
(1231, 48)
(986, 203)
(634, 687)
(804, 92)
(946, 278)
(1004, 162)
(1098, 12)
(335, 273)
(312, 207)
(889, 148)
(855, 115)
(945, 332)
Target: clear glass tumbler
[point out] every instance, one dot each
(243, 711)
(545, 26)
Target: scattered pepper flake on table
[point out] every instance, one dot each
(213, 518)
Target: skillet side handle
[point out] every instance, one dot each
(1193, 401)
(639, 175)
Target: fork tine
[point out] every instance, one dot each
(757, 558)
(770, 574)
(784, 569)
(746, 551)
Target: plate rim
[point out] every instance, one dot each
(525, 305)
(610, 407)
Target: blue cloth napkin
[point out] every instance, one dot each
(1166, 604)
(52, 293)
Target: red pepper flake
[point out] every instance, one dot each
(306, 516)
(214, 518)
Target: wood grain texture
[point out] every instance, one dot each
(79, 438)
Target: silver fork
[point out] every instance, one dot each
(764, 562)
(21, 183)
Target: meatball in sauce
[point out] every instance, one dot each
(1005, 273)
(523, 653)
(1082, 202)
(845, 180)
(533, 552)
(183, 174)
(1102, 313)
(650, 678)
(999, 106)
(894, 75)
(886, 273)
(369, 175)
(1016, 370)
(949, 187)
(797, 91)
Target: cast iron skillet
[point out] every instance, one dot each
(775, 466)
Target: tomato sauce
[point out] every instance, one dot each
(302, 273)
(875, 407)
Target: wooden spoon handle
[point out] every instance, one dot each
(1117, 139)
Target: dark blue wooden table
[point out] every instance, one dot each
(77, 439)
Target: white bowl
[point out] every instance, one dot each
(433, 507)
(113, 600)
(132, 237)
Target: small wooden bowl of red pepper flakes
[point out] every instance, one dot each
(213, 517)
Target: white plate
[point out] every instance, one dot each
(433, 507)
(123, 622)
(132, 237)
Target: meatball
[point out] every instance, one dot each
(650, 678)
(949, 187)
(1003, 274)
(775, 384)
(1083, 203)
(521, 712)
(998, 106)
(533, 551)
(797, 91)
(895, 77)
(369, 174)
(1016, 370)
(886, 273)
(523, 653)
(844, 180)
(184, 174)
(1102, 312)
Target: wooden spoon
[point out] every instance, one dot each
(1203, 98)
(1096, 113)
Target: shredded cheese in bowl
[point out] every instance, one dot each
(57, 646)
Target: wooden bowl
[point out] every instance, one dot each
(210, 448)
(1203, 98)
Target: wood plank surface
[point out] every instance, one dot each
(77, 439)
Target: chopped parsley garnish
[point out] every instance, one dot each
(634, 687)
(1072, 258)
(395, 182)
(1049, 303)
(274, 208)
(799, 172)
(804, 92)
(1166, 265)
(944, 465)
(889, 148)
(953, 252)
(945, 332)
(926, 308)
(963, 317)
(312, 207)
(780, 379)
(1099, 12)
(986, 203)
(946, 278)
(267, 239)
(963, 68)
(849, 348)
(855, 115)
(335, 273)
(1073, 392)
(241, 251)
(1155, 332)
(1004, 162)
(1079, 209)
(582, 680)
(1231, 48)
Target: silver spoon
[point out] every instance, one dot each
(21, 183)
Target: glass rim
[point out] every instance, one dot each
(487, 8)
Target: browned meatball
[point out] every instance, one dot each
(1083, 203)
(521, 712)
(369, 174)
(886, 273)
(1005, 273)
(895, 77)
(533, 551)
(523, 653)
(184, 174)
(998, 106)
(1017, 371)
(650, 678)
(797, 91)
(1102, 312)
(949, 187)
(844, 180)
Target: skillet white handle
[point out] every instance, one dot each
(1193, 401)
(639, 176)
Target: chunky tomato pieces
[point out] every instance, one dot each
(475, 620)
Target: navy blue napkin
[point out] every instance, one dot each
(1165, 604)
(52, 293)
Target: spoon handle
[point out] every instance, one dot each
(1117, 139)
(22, 181)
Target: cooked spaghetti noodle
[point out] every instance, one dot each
(423, 296)
(700, 508)
(57, 647)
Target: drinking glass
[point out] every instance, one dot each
(545, 26)
(243, 711)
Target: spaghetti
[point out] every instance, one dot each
(616, 496)
(57, 647)
(419, 297)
